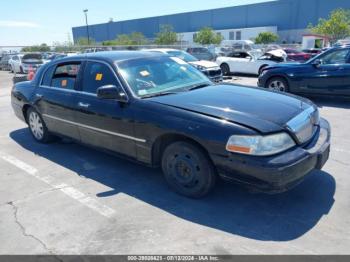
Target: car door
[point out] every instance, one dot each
(250, 65)
(56, 98)
(103, 123)
(330, 76)
(236, 62)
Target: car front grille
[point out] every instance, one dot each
(213, 73)
(304, 125)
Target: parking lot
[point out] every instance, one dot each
(65, 198)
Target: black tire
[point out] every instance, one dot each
(188, 170)
(225, 69)
(46, 136)
(284, 86)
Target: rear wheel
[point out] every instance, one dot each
(37, 126)
(278, 84)
(225, 69)
(188, 170)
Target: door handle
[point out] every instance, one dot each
(80, 104)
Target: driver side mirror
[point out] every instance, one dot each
(112, 92)
(317, 62)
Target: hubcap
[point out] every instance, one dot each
(277, 86)
(36, 126)
(224, 70)
(184, 170)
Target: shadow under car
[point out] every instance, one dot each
(230, 208)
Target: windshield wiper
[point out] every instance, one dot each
(198, 86)
(159, 94)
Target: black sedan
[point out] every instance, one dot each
(326, 74)
(160, 111)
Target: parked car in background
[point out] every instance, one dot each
(25, 63)
(15, 63)
(325, 74)
(247, 63)
(296, 56)
(201, 53)
(210, 69)
(163, 112)
(238, 45)
(97, 49)
(4, 62)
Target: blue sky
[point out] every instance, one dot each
(24, 22)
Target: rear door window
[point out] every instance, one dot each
(65, 76)
(96, 75)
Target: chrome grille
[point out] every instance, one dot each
(304, 125)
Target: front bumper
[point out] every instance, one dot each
(281, 172)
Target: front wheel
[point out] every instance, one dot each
(37, 126)
(225, 69)
(278, 84)
(188, 170)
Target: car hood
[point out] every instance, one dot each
(262, 110)
(289, 65)
(204, 63)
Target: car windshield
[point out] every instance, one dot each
(183, 55)
(156, 75)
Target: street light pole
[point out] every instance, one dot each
(87, 25)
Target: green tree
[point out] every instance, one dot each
(83, 41)
(207, 36)
(135, 38)
(36, 48)
(266, 38)
(64, 47)
(138, 38)
(166, 35)
(337, 26)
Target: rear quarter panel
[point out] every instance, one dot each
(21, 95)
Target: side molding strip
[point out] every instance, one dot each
(96, 129)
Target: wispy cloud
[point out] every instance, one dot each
(23, 24)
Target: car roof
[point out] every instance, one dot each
(112, 56)
(163, 50)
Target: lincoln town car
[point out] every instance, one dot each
(160, 111)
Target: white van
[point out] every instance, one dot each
(246, 45)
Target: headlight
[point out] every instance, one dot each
(199, 67)
(260, 145)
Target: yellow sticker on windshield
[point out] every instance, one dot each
(64, 83)
(144, 73)
(99, 77)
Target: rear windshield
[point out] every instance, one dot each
(32, 57)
